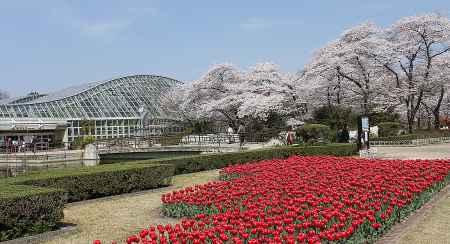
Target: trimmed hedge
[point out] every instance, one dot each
(34, 203)
(105, 180)
(26, 210)
(389, 128)
(197, 163)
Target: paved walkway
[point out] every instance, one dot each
(437, 151)
(431, 223)
(115, 218)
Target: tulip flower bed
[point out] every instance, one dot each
(300, 200)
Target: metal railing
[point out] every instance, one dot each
(195, 141)
(62, 157)
(411, 142)
(13, 164)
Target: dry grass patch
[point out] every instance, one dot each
(115, 218)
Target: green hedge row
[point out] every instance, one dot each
(202, 162)
(104, 180)
(26, 210)
(34, 203)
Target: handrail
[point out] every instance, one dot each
(411, 142)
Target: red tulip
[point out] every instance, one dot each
(303, 199)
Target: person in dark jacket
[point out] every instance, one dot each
(241, 133)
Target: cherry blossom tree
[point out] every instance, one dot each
(216, 94)
(437, 87)
(224, 93)
(386, 69)
(416, 43)
(347, 64)
(267, 90)
(177, 102)
(403, 68)
(324, 82)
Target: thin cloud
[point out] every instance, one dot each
(255, 24)
(106, 27)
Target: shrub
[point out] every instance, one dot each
(197, 163)
(389, 129)
(105, 180)
(315, 132)
(29, 210)
(334, 116)
(379, 117)
(81, 142)
(342, 136)
(33, 203)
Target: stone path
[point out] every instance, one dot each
(117, 217)
(431, 223)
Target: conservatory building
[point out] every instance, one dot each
(122, 107)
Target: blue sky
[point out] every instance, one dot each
(47, 45)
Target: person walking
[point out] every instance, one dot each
(9, 144)
(15, 145)
(241, 132)
(230, 132)
(289, 137)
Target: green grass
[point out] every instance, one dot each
(16, 191)
(59, 173)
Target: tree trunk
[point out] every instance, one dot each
(419, 122)
(412, 109)
(437, 122)
(338, 97)
(328, 97)
(410, 124)
(366, 105)
(437, 109)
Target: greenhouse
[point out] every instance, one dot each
(121, 107)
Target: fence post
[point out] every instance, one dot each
(218, 149)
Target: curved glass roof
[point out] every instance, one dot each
(124, 97)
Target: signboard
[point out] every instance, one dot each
(365, 123)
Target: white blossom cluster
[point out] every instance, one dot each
(403, 68)
(225, 92)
